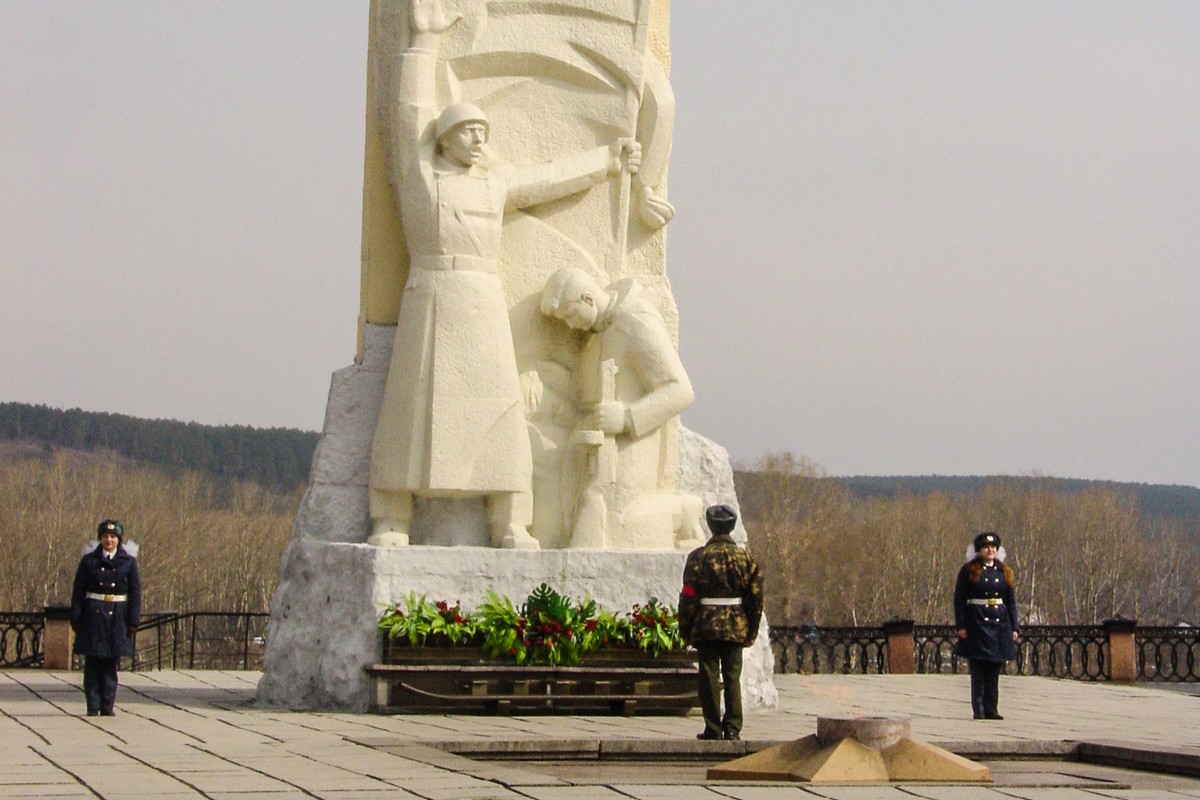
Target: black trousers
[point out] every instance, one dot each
(100, 683)
(985, 686)
(720, 666)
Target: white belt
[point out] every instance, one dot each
(720, 601)
(107, 598)
(457, 262)
(985, 601)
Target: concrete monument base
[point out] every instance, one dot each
(323, 616)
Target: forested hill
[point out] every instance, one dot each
(275, 458)
(279, 458)
(1153, 499)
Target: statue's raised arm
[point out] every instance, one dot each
(428, 20)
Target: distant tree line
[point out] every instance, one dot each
(1153, 499)
(205, 545)
(1081, 555)
(212, 508)
(274, 458)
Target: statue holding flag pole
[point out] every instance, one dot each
(452, 420)
(547, 81)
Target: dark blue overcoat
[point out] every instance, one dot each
(101, 627)
(989, 627)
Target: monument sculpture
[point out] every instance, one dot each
(452, 422)
(631, 384)
(512, 413)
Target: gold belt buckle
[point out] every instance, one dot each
(108, 598)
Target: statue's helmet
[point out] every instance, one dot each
(460, 113)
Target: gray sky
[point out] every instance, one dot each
(912, 237)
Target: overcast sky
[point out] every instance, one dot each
(912, 237)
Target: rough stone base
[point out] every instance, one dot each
(332, 586)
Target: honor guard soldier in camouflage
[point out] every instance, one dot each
(720, 608)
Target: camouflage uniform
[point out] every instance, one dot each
(720, 570)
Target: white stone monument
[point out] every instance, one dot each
(511, 417)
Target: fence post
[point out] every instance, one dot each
(57, 637)
(902, 659)
(1122, 649)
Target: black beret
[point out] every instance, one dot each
(720, 519)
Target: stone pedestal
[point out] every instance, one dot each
(902, 658)
(324, 612)
(58, 638)
(1122, 649)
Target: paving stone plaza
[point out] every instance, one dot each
(200, 735)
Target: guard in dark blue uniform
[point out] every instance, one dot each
(106, 606)
(985, 613)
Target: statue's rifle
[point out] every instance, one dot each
(596, 501)
(633, 103)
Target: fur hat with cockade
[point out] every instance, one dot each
(111, 526)
(986, 539)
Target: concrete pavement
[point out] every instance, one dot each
(199, 735)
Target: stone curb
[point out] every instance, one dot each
(463, 753)
(1161, 759)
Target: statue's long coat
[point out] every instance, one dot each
(452, 418)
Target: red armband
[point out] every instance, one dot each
(688, 590)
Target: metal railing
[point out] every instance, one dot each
(815, 650)
(1057, 651)
(237, 639)
(1064, 651)
(1168, 654)
(201, 640)
(21, 638)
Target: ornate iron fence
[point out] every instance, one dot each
(1063, 651)
(236, 640)
(811, 649)
(1168, 654)
(933, 646)
(21, 638)
(1059, 651)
